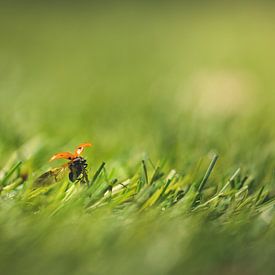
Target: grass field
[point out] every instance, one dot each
(178, 101)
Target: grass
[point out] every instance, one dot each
(156, 219)
(178, 102)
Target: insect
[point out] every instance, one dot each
(77, 166)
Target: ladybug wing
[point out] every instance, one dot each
(79, 149)
(50, 177)
(64, 155)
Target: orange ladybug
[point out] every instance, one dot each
(77, 166)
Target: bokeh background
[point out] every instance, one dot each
(133, 77)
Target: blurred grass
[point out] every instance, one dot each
(168, 83)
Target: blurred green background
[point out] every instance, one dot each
(170, 81)
(153, 77)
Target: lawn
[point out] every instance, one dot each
(178, 102)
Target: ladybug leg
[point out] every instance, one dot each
(85, 176)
